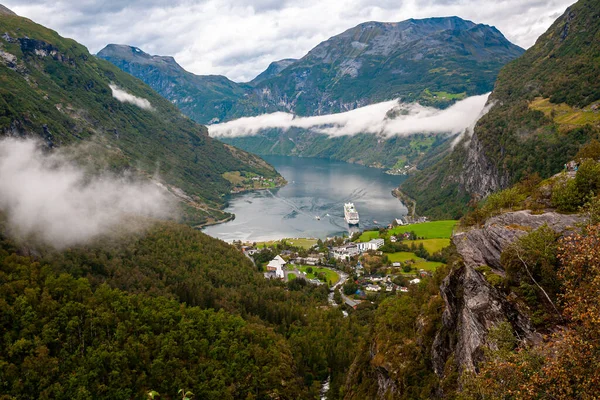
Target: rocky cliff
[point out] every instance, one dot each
(472, 305)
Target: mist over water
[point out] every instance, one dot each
(316, 187)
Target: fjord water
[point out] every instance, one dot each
(316, 188)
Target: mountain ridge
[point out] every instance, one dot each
(67, 96)
(342, 72)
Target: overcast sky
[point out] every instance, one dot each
(239, 38)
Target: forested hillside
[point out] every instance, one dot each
(545, 106)
(53, 89)
(168, 309)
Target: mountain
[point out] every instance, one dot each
(53, 89)
(212, 96)
(377, 61)
(544, 107)
(435, 61)
(274, 69)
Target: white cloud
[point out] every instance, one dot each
(125, 97)
(239, 38)
(46, 197)
(409, 119)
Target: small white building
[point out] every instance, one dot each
(372, 288)
(275, 267)
(396, 265)
(372, 244)
(345, 252)
(415, 281)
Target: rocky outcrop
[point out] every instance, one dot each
(480, 176)
(484, 246)
(472, 305)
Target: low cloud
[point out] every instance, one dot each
(125, 97)
(468, 132)
(46, 197)
(390, 118)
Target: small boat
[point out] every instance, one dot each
(318, 218)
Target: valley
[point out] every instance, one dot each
(403, 210)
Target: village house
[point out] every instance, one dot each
(415, 281)
(396, 265)
(372, 288)
(275, 268)
(372, 244)
(307, 260)
(344, 252)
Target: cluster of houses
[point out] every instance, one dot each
(377, 284)
(349, 250)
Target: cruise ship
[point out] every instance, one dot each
(350, 214)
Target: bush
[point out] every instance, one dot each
(350, 288)
(565, 196)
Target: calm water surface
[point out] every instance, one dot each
(316, 188)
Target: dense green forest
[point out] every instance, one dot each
(168, 309)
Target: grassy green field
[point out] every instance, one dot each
(299, 242)
(402, 256)
(368, 235)
(331, 276)
(291, 276)
(431, 245)
(427, 265)
(302, 242)
(427, 230)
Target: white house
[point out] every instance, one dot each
(415, 281)
(372, 244)
(275, 266)
(373, 288)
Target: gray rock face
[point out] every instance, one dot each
(480, 176)
(484, 246)
(473, 306)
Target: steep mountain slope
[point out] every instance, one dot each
(54, 89)
(378, 61)
(435, 61)
(545, 106)
(272, 70)
(212, 96)
(168, 309)
(422, 60)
